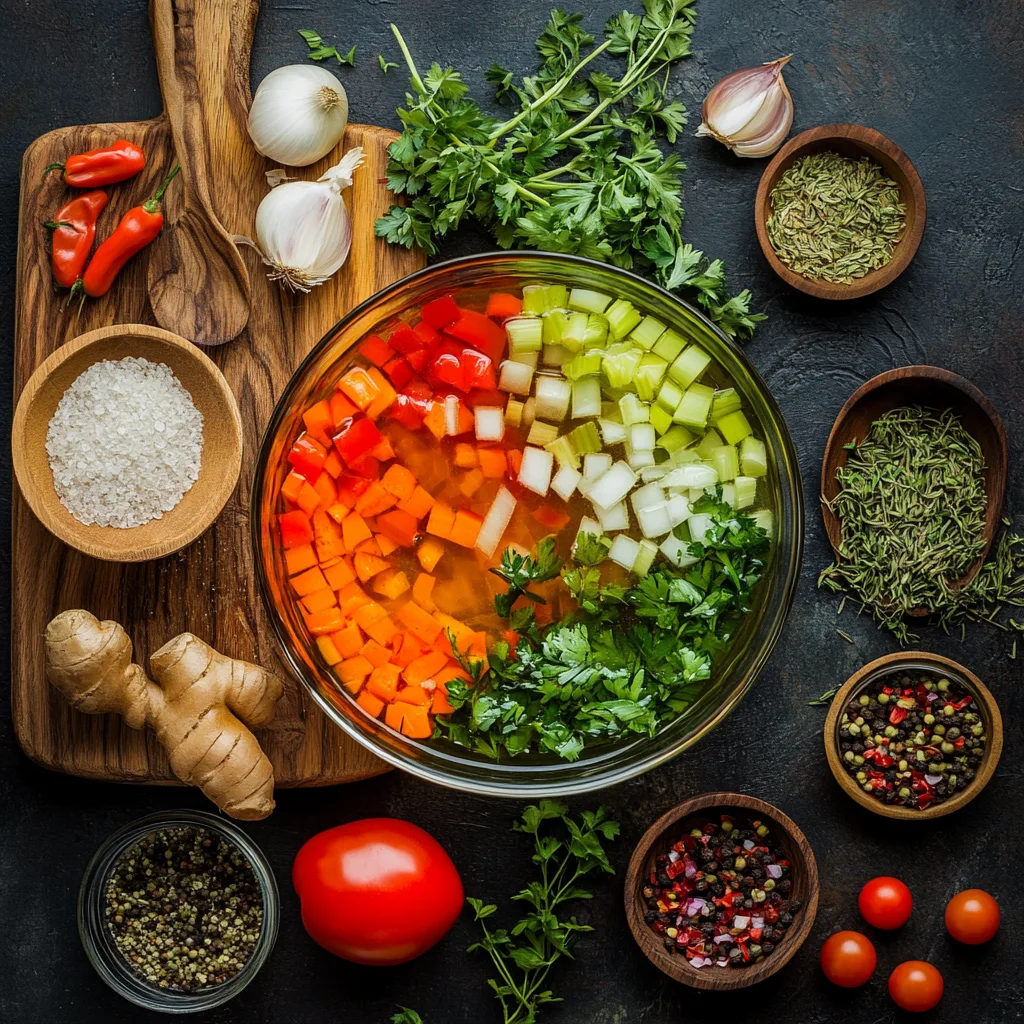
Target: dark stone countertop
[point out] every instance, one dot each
(944, 80)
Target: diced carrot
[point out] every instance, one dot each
(425, 667)
(434, 421)
(376, 349)
(413, 694)
(327, 537)
(478, 647)
(341, 409)
(348, 640)
(325, 488)
(329, 620)
(399, 481)
(493, 463)
(421, 591)
(333, 463)
(385, 544)
(328, 650)
(515, 461)
(349, 489)
(318, 601)
(292, 486)
(429, 552)
(391, 584)
(340, 573)
(353, 670)
(299, 559)
(367, 565)
(542, 614)
(503, 305)
(417, 621)
(440, 705)
(338, 511)
(408, 650)
(376, 623)
(374, 653)
(398, 526)
(374, 500)
(308, 582)
(319, 422)
(453, 670)
(370, 546)
(554, 519)
(471, 482)
(466, 419)
(383, 681)
(416, 724)
(511, 637)
(465, 528)
(328, 562)
(441, 521)
(385, 393)
(382, 450)
(465, 455)
(352, 597)
(309, 498)
(418, 504)
(354, 530)
(373, 706)
(394, 715)
(461, 633)
(359, 387)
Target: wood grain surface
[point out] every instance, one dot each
(208, 589)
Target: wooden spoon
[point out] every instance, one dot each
(198, 283)
(935, 388)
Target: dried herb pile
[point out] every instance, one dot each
(835, 218)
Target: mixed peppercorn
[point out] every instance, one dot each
(722, 895)
(912, 739)
(184, 908)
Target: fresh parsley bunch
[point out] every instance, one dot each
(576, 169)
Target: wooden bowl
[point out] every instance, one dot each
(222, 442)
(852, 140)
(936, 388)
(694, 813)
(919, 660)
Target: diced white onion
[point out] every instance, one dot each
(677, 551)
(586, 398)
(499, 515)
(647, 497)
(654, 521)
(535, 471)
(565, 482)
(614, 518)
(595, 465)
(451, 415)
(552, 395)
(611, 432)
(613, 485)
(639, 460)
(515, 377)
(649, 473)
(490, 423)
(678, 510)
(699, 524)
(692, 475)
(624, 551)
(642, 437)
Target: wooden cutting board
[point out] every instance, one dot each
(203, 49)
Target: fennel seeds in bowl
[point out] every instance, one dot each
(835, 218)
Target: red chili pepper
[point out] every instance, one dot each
(74, 229)
(138, 227)
(106, 166)
(897, 715)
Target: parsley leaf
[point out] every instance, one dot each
(519, 571)
(319, 50)
(406, 1016)
(385, 65)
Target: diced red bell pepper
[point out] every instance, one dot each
(355, 438)
(350, 488)
(446, 366)
(492, 398)
(418, 360)
(307, 457)
(440, 312)
(503, 305)
(479, 331)
(477, 371)
(367, 467)
(296, 529)
(410, 411)
(404, 339)
(430, 338)
(399, 370)
(376, 349)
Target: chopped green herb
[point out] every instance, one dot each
(406, 1016)
(385, 65)
(519, 571)
(825, 698)
(319, 50)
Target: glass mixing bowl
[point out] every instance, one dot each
(734, 671)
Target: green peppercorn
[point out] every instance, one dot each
(883, 698)
(943, 686)
(929, 719)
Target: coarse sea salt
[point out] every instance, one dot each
(125, 443)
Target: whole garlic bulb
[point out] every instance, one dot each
(298, 115)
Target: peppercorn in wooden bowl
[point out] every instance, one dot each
(848, 140)
(793, 900)
(890, 670)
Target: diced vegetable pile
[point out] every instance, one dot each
(594, 420)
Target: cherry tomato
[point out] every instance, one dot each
(915, 986)
(848, 959)
(885, 902)
(972, 917)
(377, 891)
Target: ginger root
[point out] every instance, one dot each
(192, 706)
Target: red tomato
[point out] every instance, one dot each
(885, 902)
(915, 986)
(848, 959)
(972, 917)
(376, 891)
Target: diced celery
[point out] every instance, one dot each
(586, 398)
(726, 401)
(669, 345)
(563, 451)
(622, 318)
(726, 462)
(647, 332)
(525, 333)
(734, 427)
(529, 412)
(583, 365)
(620, 363)
(708, 443)
(633, 410)
(554, 323)
(596, 333)
(694, 408)
(675, 437)
(588, 301)
(753, 457)
(526, 358)
(537, 298)
(614, 518)
(513, 413)
(555, 355)
(565, 481)
(689, 366)
(648, 375)
(670, 396)
(746, 491)
(683, 456)
(765, 520)
(661, 419)
(585, 438)
(612, 432)
(624, 551)
(729, 494)
(557, 296)
(541, 433)
(642, 437)
(645, 558)
(574, 331)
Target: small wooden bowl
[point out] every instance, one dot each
(916, 660)
(222, 442)
(935, 388)
(694, 813)
(852, 140)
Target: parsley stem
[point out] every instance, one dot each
(417, 82)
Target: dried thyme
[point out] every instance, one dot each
(184, 908)
(835, 218)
